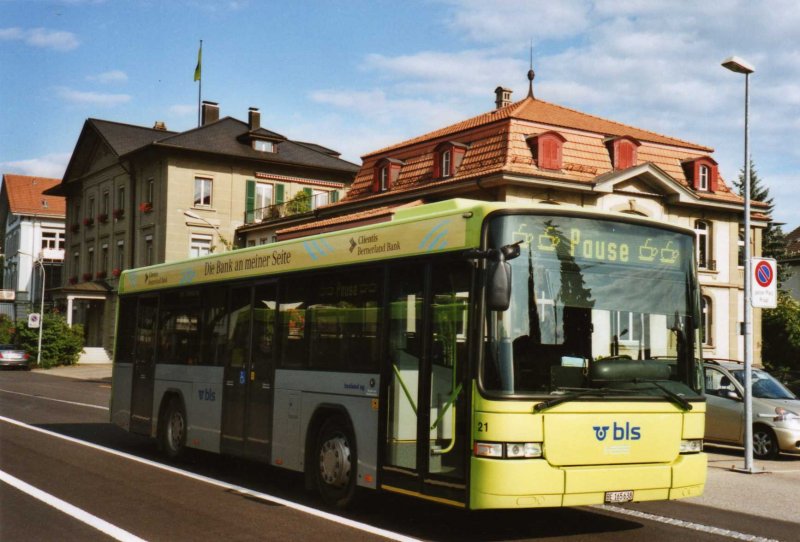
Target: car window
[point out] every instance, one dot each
(765, 386)
(718, 383)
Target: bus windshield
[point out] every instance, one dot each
(595, 304)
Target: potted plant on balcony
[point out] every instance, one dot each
(119, 214)
(146, 206)
(116, 272)
(100, 275)
(73, 280)
(102, 218)
(88, 221)
(87, 277)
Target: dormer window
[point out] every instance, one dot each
(446, 163)
(384, 178)
(447, 159)
(702, 173)
(547, 149)
(262, 145)
(623, 151)
(702, 183)
(387, 171)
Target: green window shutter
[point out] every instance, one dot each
(308, 192)
(334, 196)
(250, 202)
(278, 193)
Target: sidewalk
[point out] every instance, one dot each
(771, 492)
(89, 371)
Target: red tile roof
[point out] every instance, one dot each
(25, 196)
(497, 145)
(538, 111)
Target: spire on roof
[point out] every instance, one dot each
(531, 75)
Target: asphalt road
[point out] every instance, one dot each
(67, 474)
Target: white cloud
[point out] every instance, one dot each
(446, 74)
(44, 38)
(183, 110)
(518, 22)
(92, 98)
(50, 165)
(378, 109)
(112, 76)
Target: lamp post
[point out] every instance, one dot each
(738, 65)
(222, 239)
(41, 315)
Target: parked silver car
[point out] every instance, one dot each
(13, 356)
(776, 410)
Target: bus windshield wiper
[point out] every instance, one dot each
(577, 393)
(671, 395)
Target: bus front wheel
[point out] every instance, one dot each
(335, 463)
(172, 433)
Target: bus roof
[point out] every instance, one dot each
(440, 227)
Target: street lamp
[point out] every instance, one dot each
(738, 65)
(222, 239)
(41, 314)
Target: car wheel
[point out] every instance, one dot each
(172, 434)
(765, 445)
(335, 458)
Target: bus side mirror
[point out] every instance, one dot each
(498, 297)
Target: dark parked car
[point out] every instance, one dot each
(13, 356)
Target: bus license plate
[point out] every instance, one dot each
(619, 496)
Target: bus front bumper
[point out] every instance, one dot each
(532, 483)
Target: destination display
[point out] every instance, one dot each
(587, 240)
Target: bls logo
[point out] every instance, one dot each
(207, 395)
(619, 432)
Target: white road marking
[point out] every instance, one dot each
(686, 524)
(53, 399)
(62, 506)
(225, 485)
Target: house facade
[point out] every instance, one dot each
(792, 262)
(138, 196)
(32, 233)
(535, 151)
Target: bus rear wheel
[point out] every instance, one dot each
(172, 433)
(335, 463)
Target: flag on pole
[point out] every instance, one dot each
(198, 69)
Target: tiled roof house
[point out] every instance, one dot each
(533, 150)
(138, 196)
(32, 233)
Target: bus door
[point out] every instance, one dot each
(426, 439)
(144, 365)
(249, 372)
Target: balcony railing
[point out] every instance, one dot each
(298, 205)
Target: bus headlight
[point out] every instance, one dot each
(525, 449)
(509, 450)
(691, 446)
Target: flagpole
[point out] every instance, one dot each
(199, 75)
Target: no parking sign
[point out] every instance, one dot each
(764, 283)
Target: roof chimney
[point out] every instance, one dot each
(209, 112)
(160, 125)
(503, 97)
(254, 119)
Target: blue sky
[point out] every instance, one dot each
(360, 75)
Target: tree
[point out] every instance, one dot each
(781, 332)
(61, 344)
(773, 240)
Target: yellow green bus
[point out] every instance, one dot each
(476, 354)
